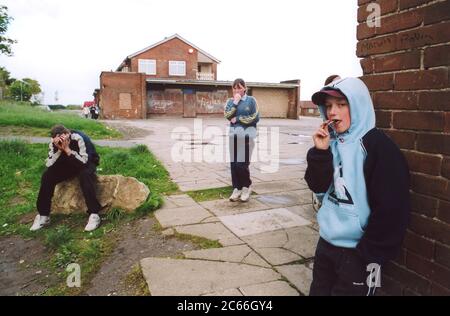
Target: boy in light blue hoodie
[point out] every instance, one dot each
(362, 179)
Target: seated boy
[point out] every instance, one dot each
(72, 154)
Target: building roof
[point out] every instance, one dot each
(88, 103)
(220, 83)
(308, 105)
(166, 40)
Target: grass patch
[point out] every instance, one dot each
(211, 194)
(20, 118)
(58, 237)
(135, 279)
(203, 243)
(20, 173)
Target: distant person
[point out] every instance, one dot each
(72, 154)
(94, 112)
(331, 79)
(242, 112)
(363, 180)
(86, 111)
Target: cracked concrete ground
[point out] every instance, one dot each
(268, 243)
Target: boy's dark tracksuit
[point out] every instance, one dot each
(363, 181)
(81, 163)
(242, 135)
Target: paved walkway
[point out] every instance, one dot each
(268, 243)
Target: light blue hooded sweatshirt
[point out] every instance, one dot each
(345, 208)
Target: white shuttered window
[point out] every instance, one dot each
(147, 66)
(177, 68)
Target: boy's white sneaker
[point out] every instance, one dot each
(93, 223)
(246, 192)
(39, 222)
(235, 195)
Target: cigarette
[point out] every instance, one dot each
(331, 122)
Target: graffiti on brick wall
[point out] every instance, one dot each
(211, 102)
(366, 46)
(415, 37)
(168, 101)
(164, 105)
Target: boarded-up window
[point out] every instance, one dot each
(177, 68)
(147, 66)
(125, 101)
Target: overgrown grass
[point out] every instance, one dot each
(211, 194)
(203, 243)
(20, 118)
(20, 171)
(135, 279)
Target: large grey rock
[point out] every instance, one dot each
(125, 193)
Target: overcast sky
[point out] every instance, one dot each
(65, 44)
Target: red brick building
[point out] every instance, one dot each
(308, 108)
(175, 77)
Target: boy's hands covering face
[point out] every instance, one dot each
(62, 142)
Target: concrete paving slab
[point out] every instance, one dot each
(284, 199)
(278, 256)
(262, 221)
(302, 241)
(272, 239)
(211, 219)
(277, 176)
(201, 184)
(276, 186)
(229, 254)
(229, 292)
(180, 200)
(275, 288)
(299, 275)
(167, 204)
(183, 277)
(213, 231)
(181, 216)
(306, 211)
(254, 259)
(225, 207)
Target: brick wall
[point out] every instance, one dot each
(117, 85)
(405, 62)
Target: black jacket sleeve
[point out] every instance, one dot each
(387, 180)
(319, 173)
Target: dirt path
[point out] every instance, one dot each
(20, 273)
(136, 241)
